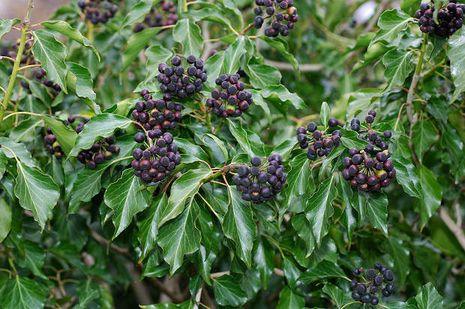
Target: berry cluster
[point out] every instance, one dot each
(376, 143)
(156, 115)
(98, 11)
(52, 145)
(28, 57)
(154, 163)
(261, 181)
(450, 18)
(157, 18)
(182, 82)
(99, 152)
(230, 99)
(369, 284)
(319, 143)
(41, 76)
(281, 13)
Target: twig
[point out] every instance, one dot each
(458, 214)
(453, 227)
(302, 67)
(174, 297)
(102, 240)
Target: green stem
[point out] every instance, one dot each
(23, 113)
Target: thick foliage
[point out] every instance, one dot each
(177, 152)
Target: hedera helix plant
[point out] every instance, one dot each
(161, 154)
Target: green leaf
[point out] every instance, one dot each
(6, 25)
(262, 75)
(228, 292)
(66, 136)
(319, 208)
(239, 226)
(180, 237)
(398, 65)
(214, 65)
(148, 228)
(126, 197)
(424, 135)
(189, 35)
(428, 298)
(233, 56)
(401, 258)
(136, 43)
(137, 12)
(26, 130)
(87, 185)
(290, 300)
(325, 112)
(51, 54)
(80, 82)
(391, 23)
(19, 150)
(406, 176)
(36, 192)
(183, 190)
(65, 29)
(324, 270)
(337, 295)
(283, 48)
(377, 212)
(100, 126)
(280, 94)
(431, 194)
(5, 219)
(299, 183)
(157, 54)
(22, 293)
(248, 141)
(456, 54)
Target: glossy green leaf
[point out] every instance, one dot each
(22, 293)
(428, 298)
(148, 228)
(19, 150)
(289, 300)
(281, 95)
(5, 219)
(391, 23)
(399, 65)
(233, 56)
(248, 141)
(189, 35)
(6, 25)
(424, 135)
(228, 292)
(65, 136)
(431, 194)
(80, 82)
(324, 270)
(137, 12)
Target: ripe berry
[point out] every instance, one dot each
(281, 16)
(139, 137)
(229, 99)
(98, 11)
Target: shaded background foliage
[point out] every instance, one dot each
(89, 252)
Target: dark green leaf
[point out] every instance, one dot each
(228, 292)
(289, 300)
(22, 293)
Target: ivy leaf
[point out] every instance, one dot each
(22, 293)
(324, 270)
(280, 94)
(180, 237)
(51, 54)
(87, 185)
(428, 297)
(424, 135)
(228, 292)
(319, 208)
(6, 25)
(214, 65)
(262, 75)
(391, 23)
(398, 65)
(325, 112)
(20, 151)
(157, 54)
(288, 299)
(137, 12)
(456, 54)
(148, 228)
(337, 295)
(126, 197)
(136, 43)
(100, 126)
(299, 182)
(26, 130)
(65, 136)
(431, 194)
(183, 189)
(189, 35)
(80, 81)
(239, 226)
(401, 257)
(36, 192)
(5, 219)
(65, 29)
(283, 48)
(406, 176)
(248, 141)
(377, 213)
(233, 56)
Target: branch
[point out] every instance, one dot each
(102, 240)
(162, 287)
(453, 227)
(288, 67)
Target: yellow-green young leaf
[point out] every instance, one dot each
(66, 136)
(180, 237)
(228, 292)
(6, 25)
(391, 24)
(430, 194)
(65, 29)
(19, 150)
(51, 54)
(428, 298)
(456, 54)
(189, 35)
(183, 192)
(233, 56)
(5, 219)
(398, 65)
(290, 300)
(102, 125)
(148, 228)
(319, 208)
(80, 82)
(22, 293)
(126, 197)
(36, 192)
(136, 43)
(239, 226)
